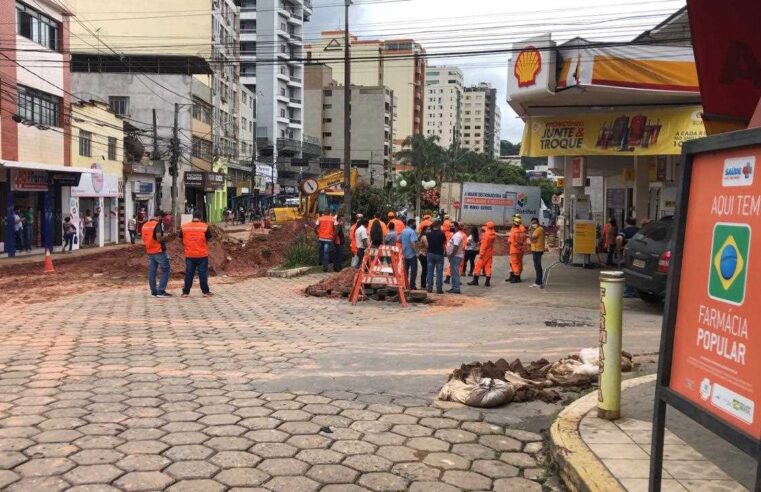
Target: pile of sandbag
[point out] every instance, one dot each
(492, 384)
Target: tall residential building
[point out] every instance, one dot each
(372, 125)
(443, 104)
(398, 64)
(481, 120)
(272, 53)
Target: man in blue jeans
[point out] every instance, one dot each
(436, 241)
(456, 254)
(408, 238)
(155, 247)
(195, 240)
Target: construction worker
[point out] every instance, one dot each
(485, 255)
(517, 242)
(195, 237)
(446, 226)
(155, 248)
(398, 226)
(325, 228)
(353, 239)
(426, 222)
(377, 218)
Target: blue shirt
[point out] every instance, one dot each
(408, 239)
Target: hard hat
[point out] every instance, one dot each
(446, 216)
(490, 225)
(391, 215)
(517, 219)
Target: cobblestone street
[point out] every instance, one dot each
(262, 387)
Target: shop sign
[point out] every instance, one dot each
(577, 172)
(213, 182)
(66, 179)
(144, 187)
(584, 237)
(29, 180)
(626, 133)
(97, 185)
(712, 326)
(531, 70)
(194, 179)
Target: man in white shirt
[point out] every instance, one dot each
(362, 240)
(456, 253)
(18, 229)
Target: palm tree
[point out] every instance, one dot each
(426, 158)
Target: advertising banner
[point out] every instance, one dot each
(584, 237)
(627, 133)
(97, 185)
(27, 180)
(484, 202)
(717, 351)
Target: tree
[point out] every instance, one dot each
(426, 157)
(508, 148)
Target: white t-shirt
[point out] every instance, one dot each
(456, 241)
(360, 236)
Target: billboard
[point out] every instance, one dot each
(484, 202)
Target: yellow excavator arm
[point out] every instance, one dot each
(309, 203)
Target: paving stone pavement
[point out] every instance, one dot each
(119, 391)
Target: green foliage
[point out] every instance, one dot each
(506, 147)
(548, 189)
(369, 201)
(301, 252)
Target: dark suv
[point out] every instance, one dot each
(646, 259)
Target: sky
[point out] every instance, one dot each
(445, 26)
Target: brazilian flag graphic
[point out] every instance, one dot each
(729, 262)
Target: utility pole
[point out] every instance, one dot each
(175, 160)
(155, 137)
(347, 118)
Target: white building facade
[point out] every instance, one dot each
(443, 104)
(481, 123)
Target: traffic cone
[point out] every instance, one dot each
(48, 262)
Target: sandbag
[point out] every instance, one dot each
(477, 391)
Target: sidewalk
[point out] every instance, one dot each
(608, 456)
(37, 255)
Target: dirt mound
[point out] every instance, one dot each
(335, 285)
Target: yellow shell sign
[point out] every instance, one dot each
(528, 64)
(625, 133)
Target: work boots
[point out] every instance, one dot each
(447, 279)
(515, 279)
(510, 278)
(488, 282)
(475, 281)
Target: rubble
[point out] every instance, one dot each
(340, 285)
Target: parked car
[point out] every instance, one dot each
(646, 259)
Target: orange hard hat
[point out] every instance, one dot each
(490, 225)
(391, 215)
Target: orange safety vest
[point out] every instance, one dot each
(326, 227)
(352, 238)
(151, 245)
(194, 239)
(424, 223)
(517, 239)
(398, 229)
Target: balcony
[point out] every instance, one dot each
(294, 121)
(296, 37)
(295, 79)
(308, 4)
(295, 101)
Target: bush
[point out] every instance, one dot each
(301, 252)
(266, 253)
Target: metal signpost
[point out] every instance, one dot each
(710, 364)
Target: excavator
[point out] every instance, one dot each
(324, 196)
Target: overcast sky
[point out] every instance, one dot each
(457, 25)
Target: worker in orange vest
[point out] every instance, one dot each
(485, 255)
(377, 218)
(155, 247)
(398, 227)
(325, 227)
(446, 226)
(195, 237)
(426, 222)
(517, 242)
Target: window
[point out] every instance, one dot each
(85, 143)
(327, 134)
(201, 149)
(327, 120)
(39, 107)
(327, 93)
(327, 147)
(111, 148)
(201, 112)
(282, 113)
(119, 105)
(327, 106)
(38, 27)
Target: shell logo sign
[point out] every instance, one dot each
(528, 64)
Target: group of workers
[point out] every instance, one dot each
(442, 247)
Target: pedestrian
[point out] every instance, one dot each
(325, 228)
(340, 244)
(361, 239)
(195, 237)
(399, 226)
(610, 233)
(89, 228)
(424, 223)
(536, 237)
(140, 221)
(391, 238)
(471, 249)
(166, 221)
(384, 228)
(485, 255)
(18, 229)
(517, 243)
(155, 247)
(353, 240)
(408, 239)
(69, 230)
(28, 228)
(422, 256)
(436, 244)
(132, 228)
(455, 253)
(378, 233)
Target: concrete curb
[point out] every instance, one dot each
(580, 469)
(288, 272)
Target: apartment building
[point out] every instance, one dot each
(443, 104)
(398, 64)
(372, 127)
(272, 33)
(481, 120)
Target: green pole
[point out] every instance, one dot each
(611, 309)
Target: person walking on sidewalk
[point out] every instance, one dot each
(195, 237)
(69, 230)
(132, 228)
(408, 238)
(436, 244)
(325, 228)
(456, 253)
(155, 248)
(536, 237)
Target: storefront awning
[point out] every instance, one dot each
(638, 132)
(56, 168)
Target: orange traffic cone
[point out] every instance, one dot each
(48, 262)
